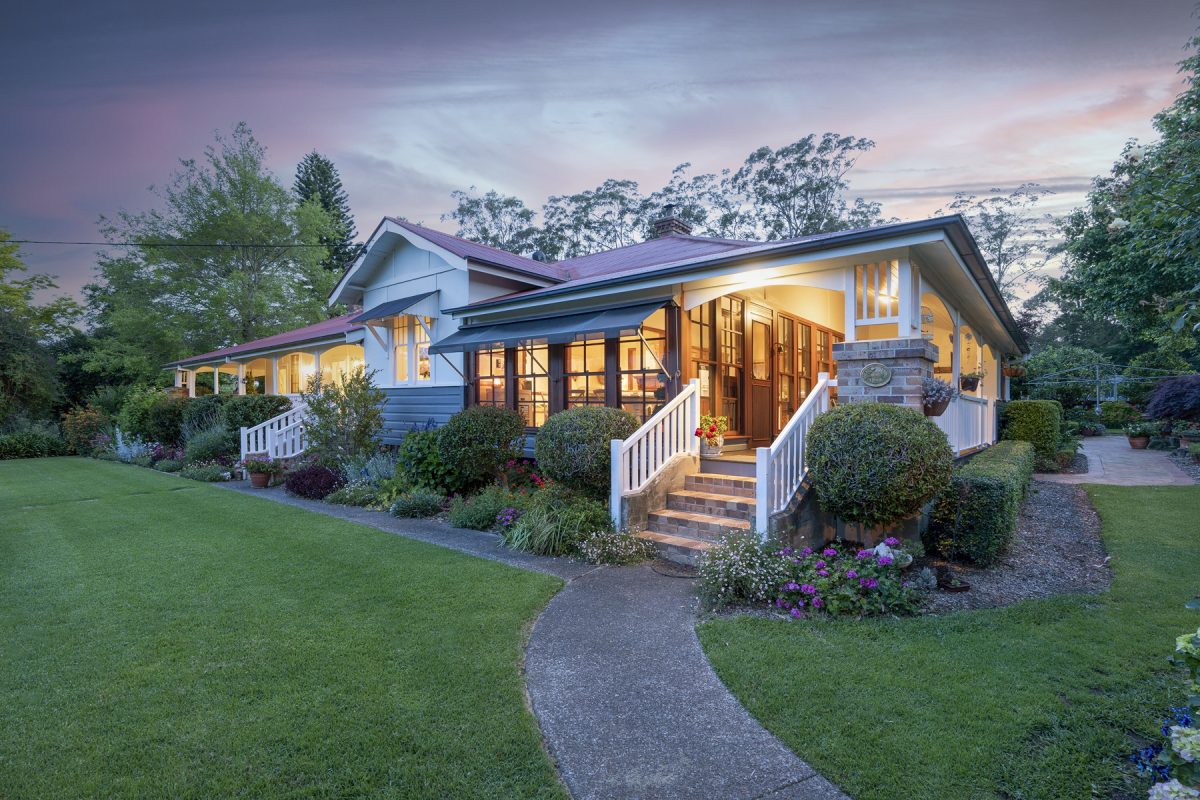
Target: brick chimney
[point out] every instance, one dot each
(669, 224)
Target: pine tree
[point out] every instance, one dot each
(317, 179)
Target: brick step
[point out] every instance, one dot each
(679, 549)
(711, 503)
(689, 524)
(721, 484)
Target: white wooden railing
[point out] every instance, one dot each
(667, 434)
(780, 468)
(288, 441)
(268, 437)
(968, 422)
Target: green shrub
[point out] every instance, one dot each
(1151, 367)
(109, 399)
(573, 446)
(875, 463)
(168, 465)
(418, 502)
(1117, 413)
(199, 412)
(615, 548)
(479, 511)
(142, 461)
(477, 442)
(211, 444)
(80, 427)
(153, 416)
(1194, 451)
(356, 493)
(248, 410)
(740, 568)
(1038, 422)
(344, 417)
(976, 517)
(419, 461)
(31, 444)
(556, 521)
(209, 472)
(1062, 360)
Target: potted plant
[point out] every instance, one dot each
(261, 469)
(1139, 434)
(712, 434)
(936, 395)
(969, 381)
(1013, 369)
(1188, 433)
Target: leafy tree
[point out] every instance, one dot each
(344, 416)
(1013, 237)
(28, 378)
(607, 217)
(230, 256)
(1060, 366)
(317, 179)
(1147, 370)
(494, 219)
(799, 189)
(48, 321)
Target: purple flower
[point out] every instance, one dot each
(806, 551)
(869, 583)
(817, 603)
(862, 554)
(796, 613)
(819, 564)
(808, 588)
(787, 551)
(799, 602)
(885, 560)
(824, 573)
(829, 551)
(892, 541)
(851, 573)
(779, 602)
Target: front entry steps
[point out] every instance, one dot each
(696, 516)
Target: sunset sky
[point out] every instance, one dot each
(412, 101)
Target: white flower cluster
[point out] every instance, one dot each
(1186, 743)
(1173, 790)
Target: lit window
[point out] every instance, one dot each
(584, 371)
(533, 384)
(642, 385)
(400, 339)
(424, 371)
(489, 377)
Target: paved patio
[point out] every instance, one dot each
(1112, 461)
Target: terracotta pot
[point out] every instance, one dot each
(1139, 442)
(968, 384)
(936, 409)
(260, 480)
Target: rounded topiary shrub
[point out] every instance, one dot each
(873, 463)
(573, 447)
(476, 442)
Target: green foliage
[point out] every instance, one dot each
(153, 304)
(18, 300)
(976, 517)
(344, 416)
(479, 511)
(28, 378)
(1061, 362)
(1194, 451)
(80, 427)
(1038, 422)
(248, 410)
(1117, 413)
(109, 399)
(1138, 430)
(152, 415)
(318, 181)
(356, 493)
(418, 502)
(211, 444)
(556, 521)
(477, 442)
(740, 569)
(1148, 367)
(419, 462)
(615, 548)
(875, 463)
(573, 446)
(206, 471)
(31, 444)
(168, 465)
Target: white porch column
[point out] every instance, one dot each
(216, 380)
(273, 379)
(191, 383)
(316, 364)
(241, 378)
(851, 306)
(908, 307)
(956, 366)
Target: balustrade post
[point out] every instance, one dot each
(762, 491)
(615, 487)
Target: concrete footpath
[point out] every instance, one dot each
(1112, 461)
(626, 699)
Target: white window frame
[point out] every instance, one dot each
(412, 323)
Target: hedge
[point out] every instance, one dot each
(573, 446)
(1038, 422)
(31, 444)
(975, 519)
(477, 442)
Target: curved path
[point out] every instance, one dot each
(627, 701)
(1112, 461)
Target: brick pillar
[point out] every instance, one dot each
(907, 361)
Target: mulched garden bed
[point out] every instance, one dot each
(1186, 463)
(1057, 550)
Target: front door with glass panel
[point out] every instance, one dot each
(760, 422)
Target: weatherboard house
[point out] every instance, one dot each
(767, 334)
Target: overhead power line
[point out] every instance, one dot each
(240, 245)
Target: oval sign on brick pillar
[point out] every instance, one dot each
(876, 375)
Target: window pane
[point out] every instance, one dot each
(489, 369)
(533, 384)
(424, 370)
(400, 337)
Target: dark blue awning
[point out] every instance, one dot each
(392, 307)
(548, 330)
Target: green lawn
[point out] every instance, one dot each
(1037, 700)
(164, 638)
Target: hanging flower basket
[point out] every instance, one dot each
(1014, 371)
(968, 383)
(936, 395)
(938, 408)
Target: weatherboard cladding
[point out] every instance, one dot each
(406, 407)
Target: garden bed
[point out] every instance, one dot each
(1188, 464)
(1078, 465)
(1057, 550)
